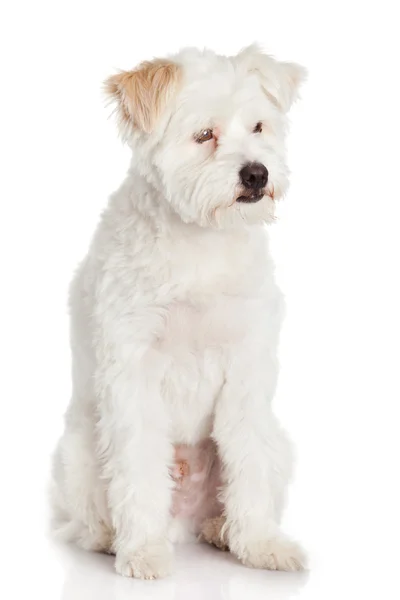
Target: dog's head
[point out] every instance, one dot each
(208, 131)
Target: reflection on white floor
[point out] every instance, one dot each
(201, 572)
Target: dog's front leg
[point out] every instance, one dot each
(256, 459)
(135, 453)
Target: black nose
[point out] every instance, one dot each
(254, 176)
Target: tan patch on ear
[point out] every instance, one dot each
(142, 94)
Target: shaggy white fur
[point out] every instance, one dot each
(175, 317)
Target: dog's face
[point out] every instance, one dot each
(208, 132)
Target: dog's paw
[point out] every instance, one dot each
(276, 554)
(212, 531)
(153, 561)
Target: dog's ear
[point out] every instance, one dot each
(280, 80)
(142, 94)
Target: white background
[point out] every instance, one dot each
(336, 246)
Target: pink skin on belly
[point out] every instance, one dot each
(197, 478)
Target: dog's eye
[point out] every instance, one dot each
(204, 136)
(258, 128)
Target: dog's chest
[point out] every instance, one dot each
(218, 286)
(214, 279)
(198, 341)
(195, 325)
(194, 345)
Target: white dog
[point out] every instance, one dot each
(175, 323)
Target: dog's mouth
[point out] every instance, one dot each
(252, 196)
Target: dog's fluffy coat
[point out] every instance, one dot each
(175, 319)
